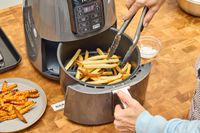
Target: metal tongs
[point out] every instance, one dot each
(117, 38)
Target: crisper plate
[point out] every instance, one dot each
(33, 115)
(9, 57)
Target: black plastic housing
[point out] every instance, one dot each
(11, 57)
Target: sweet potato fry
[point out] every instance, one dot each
(4, 86)
(69, 64)
(14, 103)
(9, 88)
(19, 115)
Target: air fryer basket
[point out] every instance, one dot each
(102, 41)
(94, 104)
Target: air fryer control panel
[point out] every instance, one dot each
(86, 16)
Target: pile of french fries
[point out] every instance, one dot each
(99, 69)
(14, 103)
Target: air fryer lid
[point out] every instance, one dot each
(102, 41)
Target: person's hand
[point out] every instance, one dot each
(134, 5)
(125, 119)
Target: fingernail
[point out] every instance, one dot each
(124, 17)
(145, 24)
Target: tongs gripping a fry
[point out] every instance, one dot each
(136, 37)
(117, 38)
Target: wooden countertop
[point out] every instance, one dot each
(172, 80)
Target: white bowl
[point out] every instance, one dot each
(149, 46)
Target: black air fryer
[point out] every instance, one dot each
(49, 22)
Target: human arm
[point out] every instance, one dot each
(136, 118)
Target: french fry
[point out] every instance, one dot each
(119, 69)
(100, 52)
(93, 72)
(125, 68)
(80, 58)
(19, 115)
(128, 71)
(4, 86)
(115, 81)
(27, 108)
(124, 76)
(114, 71)
(69, 64)
(103, 81)
(10, 87)
(8, 117)
(99, 69)
(108, 50)
(104, 77)
(78, 74)
(100, 66)
(87, 74)
(101, 57)
(86, 55)
(88, 62)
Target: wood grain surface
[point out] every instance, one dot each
(172, 80)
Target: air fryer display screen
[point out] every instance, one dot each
(87, 16)
(88, 9)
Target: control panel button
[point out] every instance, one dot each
(79, 9)
(83, 19)
(84, 24)
(35, 33)
(80, 14)
(96, 26)
(88, 16)
(95, 21)
(85, 29)
(95, 15)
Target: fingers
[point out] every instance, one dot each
(128, 100)
(120, 126)
(133, 10)
(149, 16)
(118, 108)
(129, 3)
(117, 111)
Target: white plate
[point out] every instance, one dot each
(33, 115)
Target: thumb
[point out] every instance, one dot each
(127, 99)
